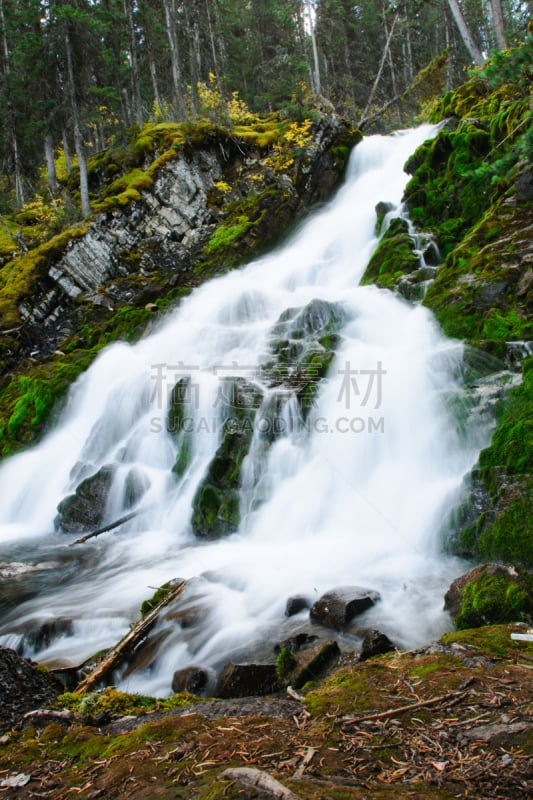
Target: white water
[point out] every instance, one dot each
(340, 506)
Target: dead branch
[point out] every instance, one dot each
(112, 525)
(251, 778)
(411, 707)
(50, 714)
(128, 642)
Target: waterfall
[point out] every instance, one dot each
(338, 481)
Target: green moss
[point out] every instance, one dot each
(29, 401)
(508, 537)
(119, 703)
(512, 443)
(18, 277)
(493, 600)
(393, 257)
(352, 689)
(491, 640)
(159, 595)
(285, 663)
(228, 234)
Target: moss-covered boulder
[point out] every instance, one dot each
(85, 509)
(216, 504)
(302, 346)
(394, 257)
(491, 594)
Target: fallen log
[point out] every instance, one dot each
(251, 778)
(127, 644)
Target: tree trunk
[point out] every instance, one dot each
(378, 76)
(216, 62)
(193, 37)
(316, 71)
(174, 58)
(53, 185)
(78, 139)
(466, 35)
(392, 73)
(497, 23)
(135, 77)
(66, 152)
(11, 125)
(155, 85)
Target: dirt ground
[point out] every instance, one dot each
(453, 720)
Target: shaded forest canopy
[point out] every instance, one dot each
(78, 76)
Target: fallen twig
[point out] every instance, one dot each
(411, 707)
(112, 525)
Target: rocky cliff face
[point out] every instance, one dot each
(196, 209)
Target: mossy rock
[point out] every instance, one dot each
(503, 530)
(491, 594)
(395, 256)
(216, 502)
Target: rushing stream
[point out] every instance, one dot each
(355, 493)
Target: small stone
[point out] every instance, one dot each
(190, 679)
(297, 603)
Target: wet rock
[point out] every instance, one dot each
(338, 606)
(298, 641)
(194, 680)
(297, 603)
(42, 635)
(490, 594)
(247, 680)
(85, 509)
(374, 643)
(312, 662)
(135, 486)
(25, 687)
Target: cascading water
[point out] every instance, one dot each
(349, 487)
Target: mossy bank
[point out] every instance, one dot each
(472, 190)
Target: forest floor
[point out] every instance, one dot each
(451, 720)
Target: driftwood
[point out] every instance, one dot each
(128, 642)
(411, 707)
(251, 778)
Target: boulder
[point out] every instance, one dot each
(85, 509)
(490, 594)
(374, 643)
(25, 687)
(191, 679)
(247, 680)
(338, 606)
(216, 504)
(312, 662)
